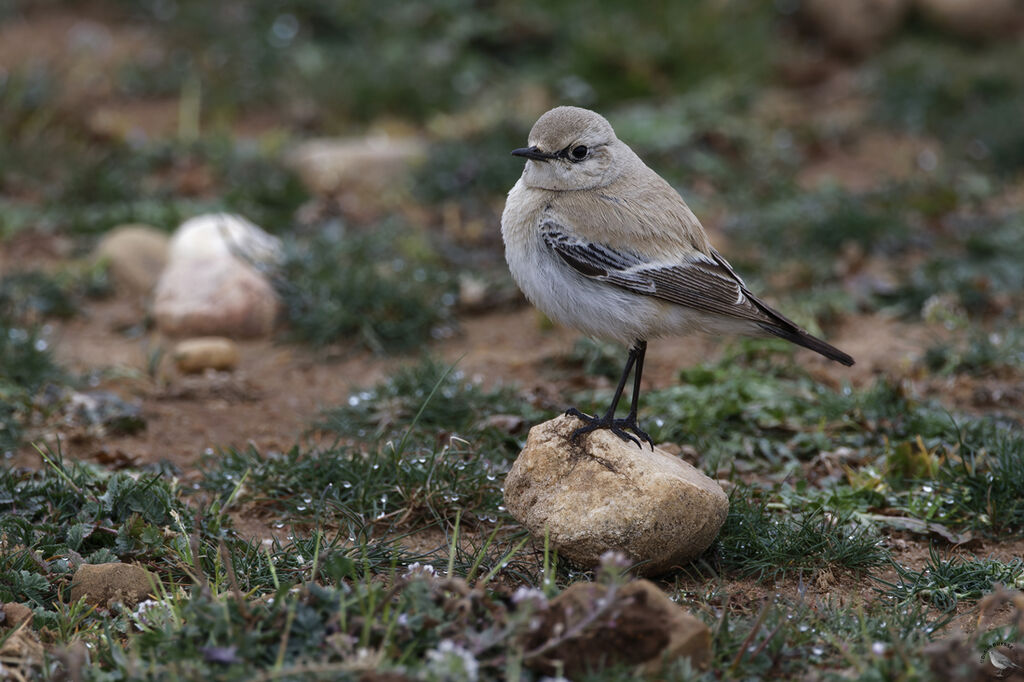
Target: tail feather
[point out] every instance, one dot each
(801, 338)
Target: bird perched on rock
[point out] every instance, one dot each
(600, 242)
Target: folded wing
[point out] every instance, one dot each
(704, 283)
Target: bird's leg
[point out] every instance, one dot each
(630, 421)
(608, 421)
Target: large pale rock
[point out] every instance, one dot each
(211, 286)
(135, 254)
(375, 163)
(206, 352)
(604, 493)
(854, 26)
(636, 625)
(104, 584)
(365, 177)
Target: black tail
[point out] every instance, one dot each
(801, 338)
(779, 325)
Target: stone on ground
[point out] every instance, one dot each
(212, 285)
(641, 626)
(365, 176)
(854, 27)
(136, 255)
(105, 584)
(206, 352)
(14, 614)
(378, 162)
(608, 494)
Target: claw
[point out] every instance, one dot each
(616, 426)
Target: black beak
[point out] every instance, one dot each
(533, 153)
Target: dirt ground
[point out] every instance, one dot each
(279, 389)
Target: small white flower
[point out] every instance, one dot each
(151, 614)
(614, 561)
(416, 569)
(529, 595)
(449, 661)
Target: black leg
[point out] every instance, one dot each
(608, 421)
(630, 421)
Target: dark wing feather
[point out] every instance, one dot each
(702, 284)
(707, 284)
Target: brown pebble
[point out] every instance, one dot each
(104, 584)
(14, 614)
(207, 352)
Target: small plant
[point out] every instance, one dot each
(404, 488)
(946, 582)
(382, 288)
(756, 542)
(441, 398)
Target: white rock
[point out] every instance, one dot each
(608, 494)
(211, 287)
(135, 254)
(222, 235)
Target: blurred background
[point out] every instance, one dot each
(860, 161)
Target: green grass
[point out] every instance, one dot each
(960, 94)
(996, 353)
(756, 404)
(341, 581)
(756, 542)
(421, 448)
(945, 582)
(457, 406)
(402, 488)
(976, 265)
(384, 288)
(99, 186)
(461, 53)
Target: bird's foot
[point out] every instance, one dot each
(617, 426)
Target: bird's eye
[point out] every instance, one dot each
(579, 152)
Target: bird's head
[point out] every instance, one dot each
(572, 149)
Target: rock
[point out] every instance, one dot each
(376, 162)
(854, 27)
(211, 286)
(219, 235)
(975, 19)
(104, 584)
(14, 614)
(20, 652)
(365, 176)
(207, 352)
(640, 626)
(104, 412)
(135, 254)
(605, 493)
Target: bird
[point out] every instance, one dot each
(600, 242)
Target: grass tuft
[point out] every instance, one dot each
(383, 288)
(944, 583)
(756, 542)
